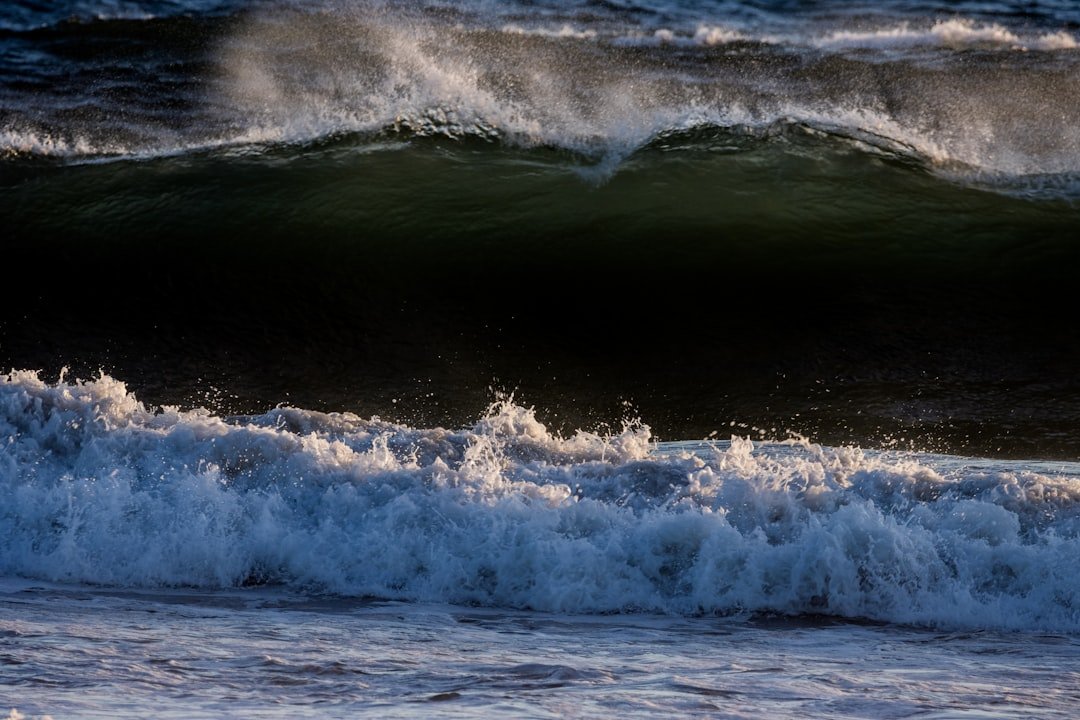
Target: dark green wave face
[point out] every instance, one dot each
(793, 282)
(722, 222)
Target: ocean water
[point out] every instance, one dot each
(563, 358)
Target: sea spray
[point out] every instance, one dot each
(971, 101)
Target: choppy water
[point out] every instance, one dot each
(783, 292)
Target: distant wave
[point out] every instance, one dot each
(594, 159)
(28, 15)
(955, 33)
(96, 488)
(291, 77)
(672, 24)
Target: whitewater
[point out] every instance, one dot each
(327, 563)
(100, 490)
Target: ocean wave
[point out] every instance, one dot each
(608, 102)
(97, 488)
(566, 30)
(18, 142)
(594, 159)
(23, 16)
(703, 36)
(296, 78)
(655, 24)
(954, 33)
(22, 142)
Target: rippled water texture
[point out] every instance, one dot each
(269, 655)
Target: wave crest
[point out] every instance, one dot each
(954, 33)
(295, 77)
(97, 488)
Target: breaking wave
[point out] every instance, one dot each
(97, 488)
(292, 77)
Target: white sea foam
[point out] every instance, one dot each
(703, 36)
(954, 33)
(97, 488)
(408, 76)
(563, 31)
(43, 144)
